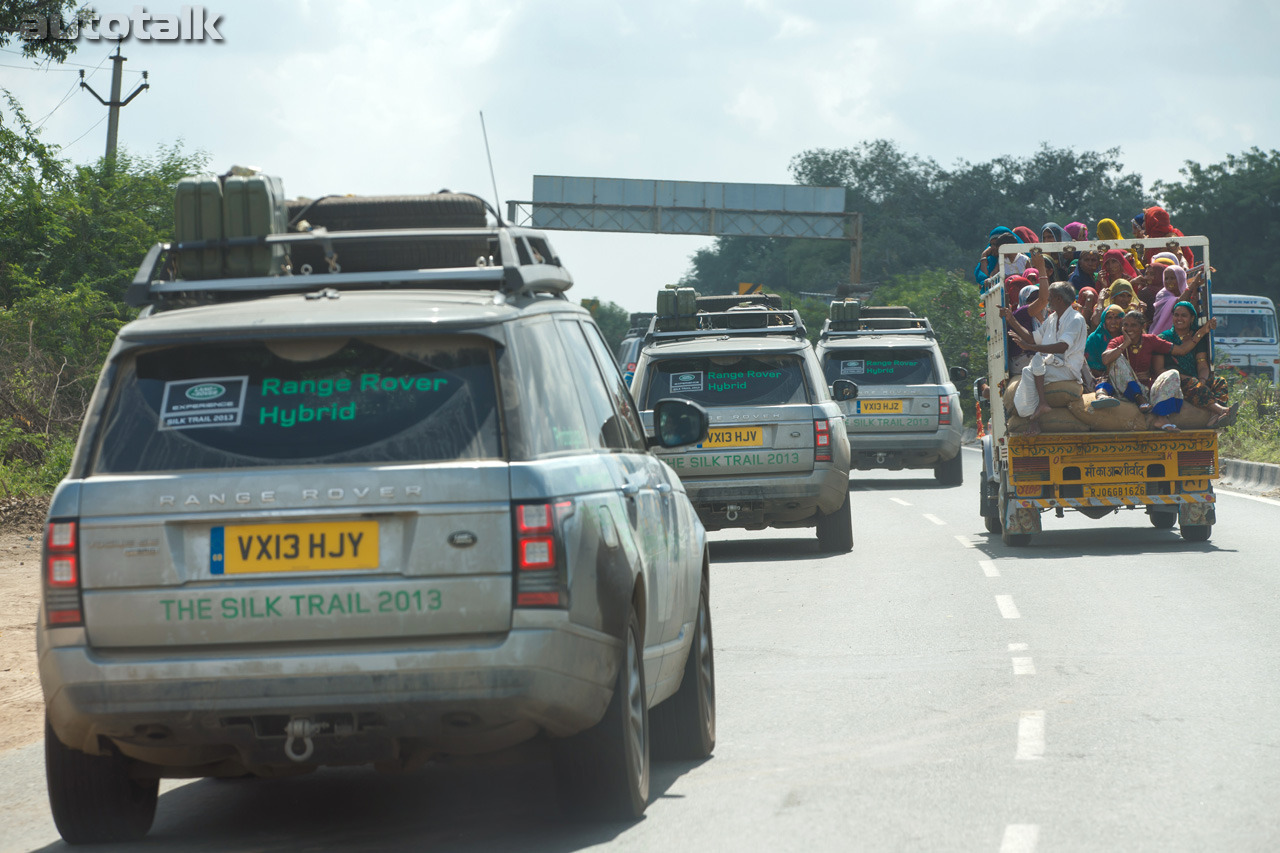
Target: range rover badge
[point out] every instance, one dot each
(462, 539)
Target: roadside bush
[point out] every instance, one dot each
(1255, 436)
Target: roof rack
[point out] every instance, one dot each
(518, 268)
(716, 303)
(744, 322)
(875, 326)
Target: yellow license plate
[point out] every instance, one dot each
(879, 407)
(323, 546)
(1126, 490)
(735, 437)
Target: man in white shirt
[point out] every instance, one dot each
(1057, 349)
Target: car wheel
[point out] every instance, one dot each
(1162, 520)
(1195, 532)
(603, 772)
(93, 798)
(684, 726)
(835, 531)
(950, 472)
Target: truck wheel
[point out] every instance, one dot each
(950, 472)
(93, 798)
(1162, 520)
(990, 509)
(603, 772)
(684, 726)
(1195, 532)
(835, 531)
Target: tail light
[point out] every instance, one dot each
(61, 568)
(540, 576)
(944, 409)
(1192, 462)
(821, 441)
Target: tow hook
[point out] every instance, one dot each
(301, 728)
(731, 512)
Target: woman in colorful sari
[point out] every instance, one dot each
(1094, 346)
(1109, 229)
(1119, 293)
(990, 256)
(1128, 359)
(1156, 224)
(1115, 266)
(1060, 261)
(1175, 289)
(1077, 230)
(1199, 386)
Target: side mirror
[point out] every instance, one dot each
(959, 374)
(843, 390)
(677, 423)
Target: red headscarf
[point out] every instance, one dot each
(1155, 223)
(1012, 286)
(1128, 272)
(1026, 234)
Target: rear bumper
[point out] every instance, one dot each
(768, 501)
(903, 449)
(458, 696)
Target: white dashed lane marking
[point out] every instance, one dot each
(1018, 647)
(900, 501)
(989, 568)
(1020, 838)
(1030, 736)
(934, 519)
(1008, 609)
(1023, 666)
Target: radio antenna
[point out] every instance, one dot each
(497, 199)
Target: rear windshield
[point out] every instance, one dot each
(867, 366)
(729, 380)
(319, 401)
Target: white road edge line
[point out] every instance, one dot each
(1020, 838)
(935, 519)
(1018, 647)
(1030, 736)
(989, 568)
(965, 541)
(900, 501)
(1008, 609)
(1257, 498)
(1023, 666)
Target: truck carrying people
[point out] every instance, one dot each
(1101, 380)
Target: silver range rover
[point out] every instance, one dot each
(369, 518)
(777, 454)
(907, 414)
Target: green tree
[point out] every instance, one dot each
(612, 319)
(1236, 204)
(16, 15)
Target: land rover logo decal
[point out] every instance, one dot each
(691, 381)
(462, 539)
(686, 377)
(205, 391)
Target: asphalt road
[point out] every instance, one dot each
(1109, 688)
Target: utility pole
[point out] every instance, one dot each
(114, 105)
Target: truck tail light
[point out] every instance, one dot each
(61, 570)
(944, 410)
(821, 441)
(1193, 462)
(540, 576)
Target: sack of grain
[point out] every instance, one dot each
(1059, 395)
(1122, 418)
(1058, 420)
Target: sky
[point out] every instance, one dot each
(343, 96)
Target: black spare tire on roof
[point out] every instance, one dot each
(370, 213)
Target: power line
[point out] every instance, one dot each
(40, 121)
(83, 135)
(62, 66)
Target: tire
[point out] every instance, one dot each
(1162, 520)
(951, 472)
(603, 772)
(835, 531)
(1195, 532)
(990, 514)
(684, 726)
(93, 798)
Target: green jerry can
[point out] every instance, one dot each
(686, 308)
(254, 206)
(197, 215)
